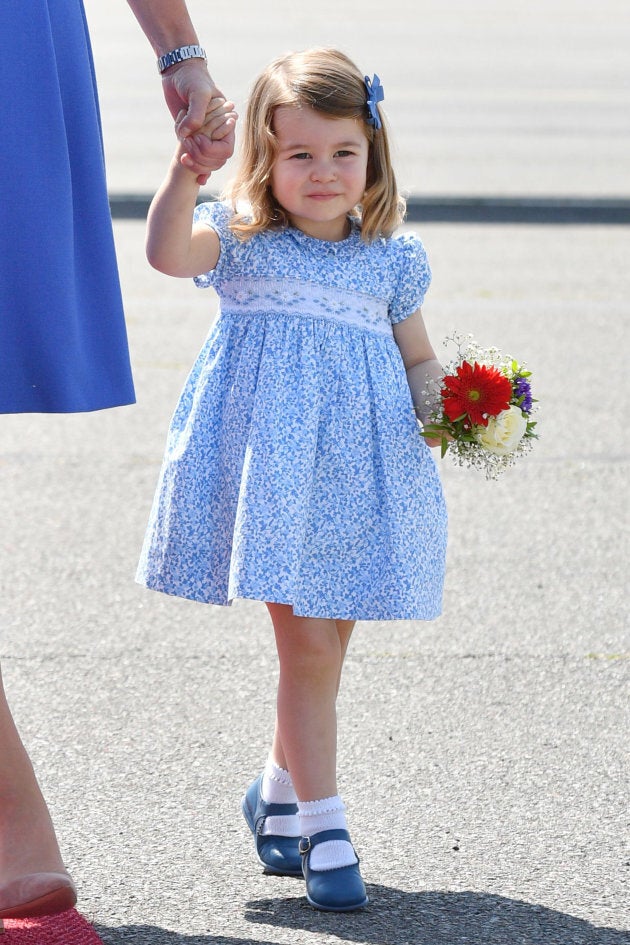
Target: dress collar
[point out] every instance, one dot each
(326, 246)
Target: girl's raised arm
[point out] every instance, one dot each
(173, 246)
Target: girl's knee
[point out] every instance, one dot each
(307, 645)
(318, 652)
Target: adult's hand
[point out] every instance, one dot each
(187, 85)
(190, 93)
(188, 90)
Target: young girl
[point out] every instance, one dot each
(295, 473)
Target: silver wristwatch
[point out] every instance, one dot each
(180, 55)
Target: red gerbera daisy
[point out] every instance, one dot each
(476, 391)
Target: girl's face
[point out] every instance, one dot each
(320, 171)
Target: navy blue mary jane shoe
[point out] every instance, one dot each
(276, 854)
(338, 890)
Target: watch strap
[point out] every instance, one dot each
(181, 54)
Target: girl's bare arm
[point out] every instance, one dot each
(173, 245)
(424, 371)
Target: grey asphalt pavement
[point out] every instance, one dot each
(483, 757)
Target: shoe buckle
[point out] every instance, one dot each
(304, 845)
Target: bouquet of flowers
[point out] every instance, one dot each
(485, 408)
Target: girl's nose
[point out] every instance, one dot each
(323, 171)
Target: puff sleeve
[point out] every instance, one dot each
(414, 277)
(216, 215)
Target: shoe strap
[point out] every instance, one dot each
(276, 810)
(265, 810)
(323, 836)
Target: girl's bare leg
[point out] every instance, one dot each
(344, 632)
(311, 653)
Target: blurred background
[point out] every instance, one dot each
(491, 97)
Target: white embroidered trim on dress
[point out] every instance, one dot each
(305, 300)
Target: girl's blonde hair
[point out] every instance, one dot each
(328, 81)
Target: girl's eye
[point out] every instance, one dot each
(344, 153)
(301, 156)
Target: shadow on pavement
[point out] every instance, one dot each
(395, 917)
(152, 935)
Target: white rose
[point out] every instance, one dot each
(504, 432)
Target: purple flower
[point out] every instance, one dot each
(522, 389)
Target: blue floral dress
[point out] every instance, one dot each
(294, 469)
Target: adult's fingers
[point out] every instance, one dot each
(195, 116)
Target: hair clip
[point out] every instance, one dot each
(375, 94)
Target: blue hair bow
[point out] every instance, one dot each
(375, 94)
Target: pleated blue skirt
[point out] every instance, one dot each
(63, 343)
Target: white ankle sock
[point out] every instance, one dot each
(326, 814)
(277, 788)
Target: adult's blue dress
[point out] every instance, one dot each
(63, 343)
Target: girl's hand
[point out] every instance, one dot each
(434, 441)
(209, 148)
